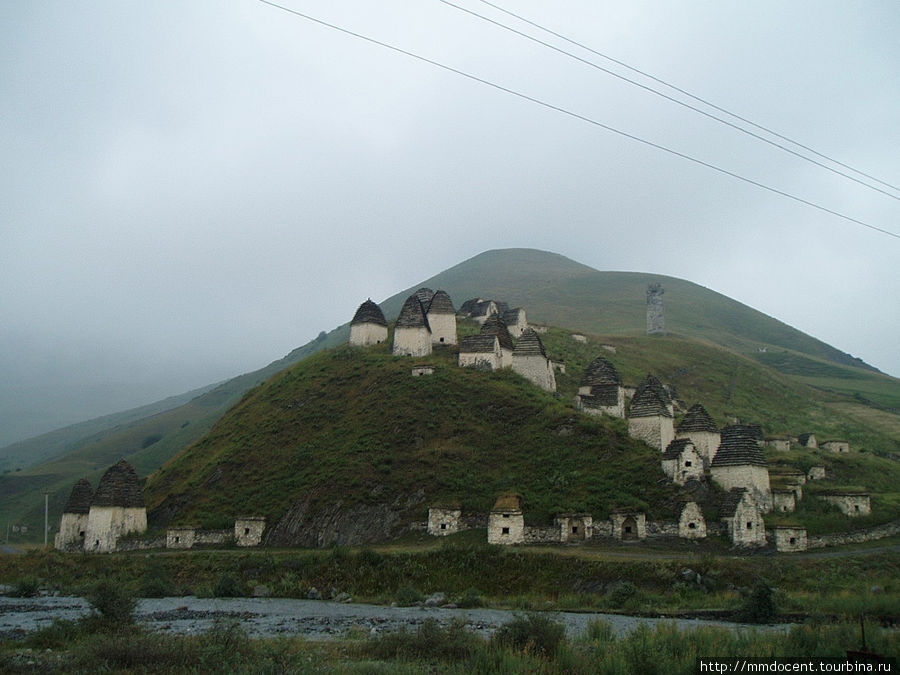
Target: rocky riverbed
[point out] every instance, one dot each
(313, 619)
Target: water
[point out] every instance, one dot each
(313, 619)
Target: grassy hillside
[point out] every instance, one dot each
(146, 440)
(352, 426)
(350, 431)
(713, 355)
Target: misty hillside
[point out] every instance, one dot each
(347, 448)
(554, 290)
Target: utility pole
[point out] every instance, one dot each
(46, 521)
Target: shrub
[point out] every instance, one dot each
(430, 641)
(620, 593)
(408, 595)
(471, 598)
(113, 603)
(227, 587)
(760, 605)
(599, 631)
(532, 633)
(130, 650)
(156, 586)
(225, 643)
(55, 636)
(26, 588)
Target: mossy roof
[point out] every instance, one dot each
(508, 503)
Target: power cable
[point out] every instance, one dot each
(575, 115)
(690, 95)
(665, 96)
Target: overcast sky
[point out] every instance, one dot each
(190, 190)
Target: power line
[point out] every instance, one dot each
(693, 96)
(575, 115)
(661, 94)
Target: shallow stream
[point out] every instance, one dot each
(313, 619)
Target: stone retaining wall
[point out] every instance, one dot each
(856, 537)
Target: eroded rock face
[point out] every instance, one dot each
(312, 523)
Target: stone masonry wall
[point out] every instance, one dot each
(657, 432)
(537, 369)
(365, 334)
(411, 342)
(754, 478)
(856, 537)
(443, 329)
(442, 522)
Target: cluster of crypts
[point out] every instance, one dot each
(98, 521)
(695, 451)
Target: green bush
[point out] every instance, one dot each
(471, 598)
(112, 603)
(760, 604)
(430, 642)
(55, 636)
(26, 588)
(227, 587)
(408, 595)
(620, 593)
(225, 643)
(533, 634)
(132, 650)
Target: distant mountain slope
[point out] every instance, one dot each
(67, 439)
(554, 290)
(562, 292)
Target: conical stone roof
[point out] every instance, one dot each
(697, 419)
(647, 403)
(653, 383)
(530, 345)
(601, 371)
(730, 502)
(753, 431)
(369, 312)
(412, 315)
(119, 486)
(676, 447)
(425, 295)
(81, 497)
(477, 344)
(738, 450)
(441, 304)
(494, 326)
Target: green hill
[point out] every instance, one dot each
(768, 372)
(346, 447)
